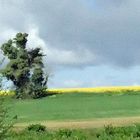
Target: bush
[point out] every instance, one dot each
(67, 134)
(36, 128)
(64, 133)
(119, 133)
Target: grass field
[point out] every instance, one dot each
(76, 107)
(77, 111)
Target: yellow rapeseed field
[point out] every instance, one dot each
(6, 92)
(115, 89)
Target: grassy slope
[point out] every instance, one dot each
(76, 106)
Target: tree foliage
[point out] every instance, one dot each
(25, 67)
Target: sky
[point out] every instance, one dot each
(88, 43)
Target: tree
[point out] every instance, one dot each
(25, 67)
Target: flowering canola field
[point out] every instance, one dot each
(115, 89)
(6, 92)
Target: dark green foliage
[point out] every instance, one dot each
(36, 128)
(25, 68)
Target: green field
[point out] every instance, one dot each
(79, 107)
(76, 107)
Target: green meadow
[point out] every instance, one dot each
(76, 106)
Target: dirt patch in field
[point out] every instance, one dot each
(83, 124)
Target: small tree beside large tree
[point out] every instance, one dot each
(25, 67)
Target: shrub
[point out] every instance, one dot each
(64, 133)
(67, 134)
(119, 133)
(36, 128)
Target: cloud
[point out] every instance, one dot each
(57, 56)
(77, 32)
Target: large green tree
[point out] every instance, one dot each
(25, 67)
